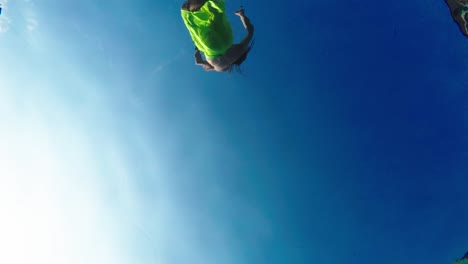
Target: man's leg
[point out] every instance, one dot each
(186, 5)
(193, 5)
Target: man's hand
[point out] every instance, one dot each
(197, 54)
(198, 57)
(240, 12)
(207, 67)
(199, 61)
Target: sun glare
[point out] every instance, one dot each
(50, 208)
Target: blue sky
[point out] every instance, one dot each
(343, 141)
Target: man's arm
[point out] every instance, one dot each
(199, 61)
(247, 25)
(238, 50)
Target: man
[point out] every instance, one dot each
(211, 33)
(464, 259)
(459, 12)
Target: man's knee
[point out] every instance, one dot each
(186, 6)
(193, 5)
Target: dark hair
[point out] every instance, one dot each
(241, 59)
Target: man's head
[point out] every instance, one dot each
(237, 63)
